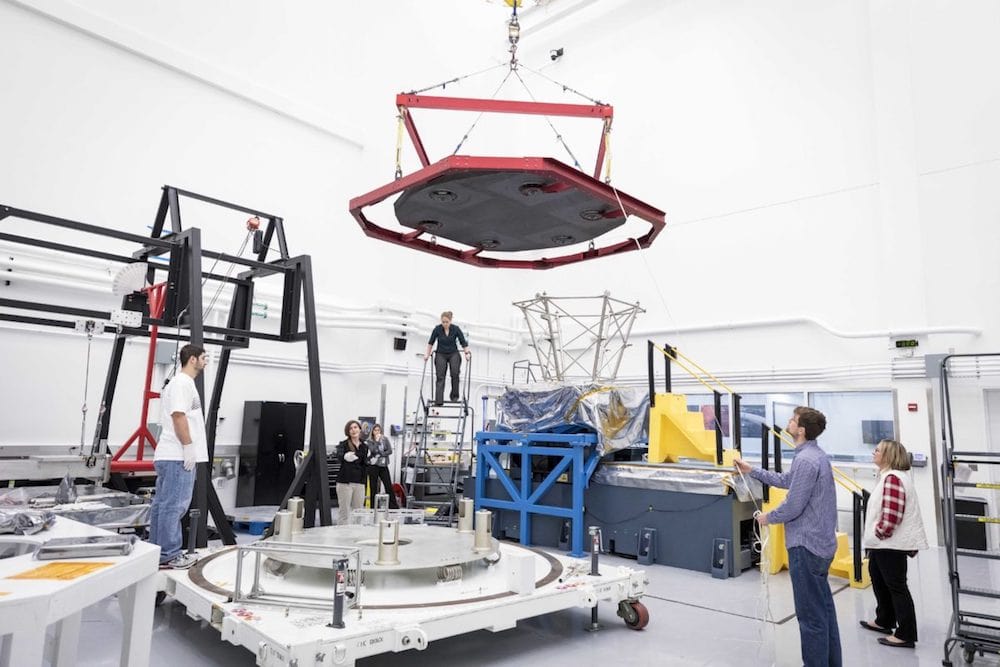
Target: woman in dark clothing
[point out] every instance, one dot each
(447, 357)
(379, 450)
(353, 455)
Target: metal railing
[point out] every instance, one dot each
(696, 371)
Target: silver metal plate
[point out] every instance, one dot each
(420, 547)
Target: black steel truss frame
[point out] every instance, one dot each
(183, 312)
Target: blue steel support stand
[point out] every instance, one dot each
(578, 458)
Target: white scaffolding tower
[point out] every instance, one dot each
(579, 338)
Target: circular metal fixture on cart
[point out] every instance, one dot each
(420, 547)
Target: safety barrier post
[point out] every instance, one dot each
(718, 426)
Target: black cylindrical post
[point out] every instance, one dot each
(595, 551)
(737, 424)
(667, 384)
(667, 380)
(777, 449)
(718, 426)
(652, 380)
(340, 587)
(858, 511)
(193, 515)
(764, 456)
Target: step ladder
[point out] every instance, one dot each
(439, 456)
(976, 631)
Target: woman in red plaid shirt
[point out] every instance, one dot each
(894, 531)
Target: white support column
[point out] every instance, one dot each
(896, 157)
(137, 603)
(67, 640)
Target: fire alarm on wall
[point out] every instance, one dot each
(912, 407)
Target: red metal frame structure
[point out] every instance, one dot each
(563, 174)
(157, 301)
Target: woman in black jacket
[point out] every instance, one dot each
(353, 454)
(380, 449)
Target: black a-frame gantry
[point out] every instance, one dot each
(178, 253)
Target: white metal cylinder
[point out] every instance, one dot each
(283, 526)
(466, 514)
(381, 507)
(388, 543)
(297, 507)
(484, 526)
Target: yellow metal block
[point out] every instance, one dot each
(728, 456)
(777, 554)
(843, 564)
(676, 433)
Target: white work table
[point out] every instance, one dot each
(29, 606)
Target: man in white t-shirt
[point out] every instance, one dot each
(182, 444)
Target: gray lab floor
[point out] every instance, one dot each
(694, 620)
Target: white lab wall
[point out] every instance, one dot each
(826, 160)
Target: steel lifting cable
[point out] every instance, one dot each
(563, 86)
(211, 305)
(479, 117)
(89, 326)
(443, 84)
(559, 137)
(229, 271)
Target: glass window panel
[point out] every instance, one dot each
(855, 421)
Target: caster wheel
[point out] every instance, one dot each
(160, 597)
(635, 614)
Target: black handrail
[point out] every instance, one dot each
(650, 376)
(764, 458)
(859, 511)
(737, 423)
(717, 397)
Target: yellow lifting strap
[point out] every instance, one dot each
(840, 477)
(607, 150)
(680, 363)
(399, 143)
(696, 365)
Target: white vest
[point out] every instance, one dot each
(909, 534)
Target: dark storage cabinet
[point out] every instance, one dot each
(272, 433)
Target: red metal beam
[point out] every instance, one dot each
(505, 106)
(127, 466)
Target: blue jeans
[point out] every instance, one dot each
(817, 615)
(174, 486)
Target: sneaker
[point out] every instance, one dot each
(179, 562)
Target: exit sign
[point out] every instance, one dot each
(907, 342)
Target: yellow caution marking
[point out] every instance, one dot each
(62, 571)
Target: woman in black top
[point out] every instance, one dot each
(379, 451)
(353, 455)
(447, 356)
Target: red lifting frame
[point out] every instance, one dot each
(550, 166)
(157, 302)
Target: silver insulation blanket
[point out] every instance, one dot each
(663, 477)
(617, 414)
(94, 506)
